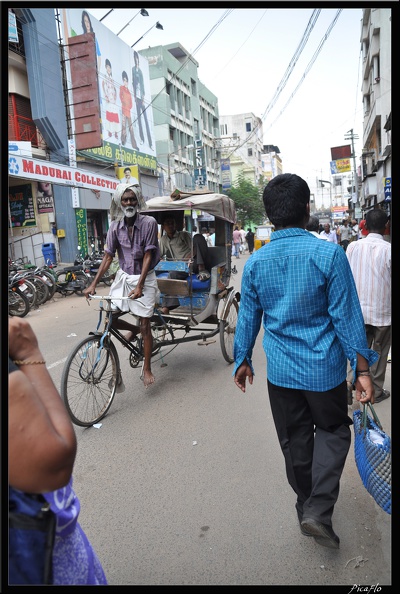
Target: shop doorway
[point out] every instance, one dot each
(97, 227)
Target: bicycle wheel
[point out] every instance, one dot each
(42, 290)
(227, 330)
(89, 380)
(18, 304)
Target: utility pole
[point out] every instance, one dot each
(351, 136)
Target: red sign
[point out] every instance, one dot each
(341, 152)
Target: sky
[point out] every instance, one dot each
(299, 71)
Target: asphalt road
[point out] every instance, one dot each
(184, 483)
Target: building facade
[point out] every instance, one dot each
(59, 187)
(376, 163)
(186, 121)
(242, 144)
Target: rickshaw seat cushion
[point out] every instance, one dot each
(197, 285)
(166, 265)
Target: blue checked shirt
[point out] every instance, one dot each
(304, 292)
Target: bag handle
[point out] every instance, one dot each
(367, 406)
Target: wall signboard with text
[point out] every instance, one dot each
(22, 210)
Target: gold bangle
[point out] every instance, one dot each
(29, 362)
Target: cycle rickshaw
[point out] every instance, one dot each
(92, 372)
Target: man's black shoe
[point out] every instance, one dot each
(385, 394)
(302, 530)
(323, 534)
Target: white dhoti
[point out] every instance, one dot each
(124, 284)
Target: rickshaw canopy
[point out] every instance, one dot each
(218, 205)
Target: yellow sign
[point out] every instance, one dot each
(343, 165)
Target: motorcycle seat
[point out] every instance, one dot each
(72, 268)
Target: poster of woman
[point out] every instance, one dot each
(44, 197)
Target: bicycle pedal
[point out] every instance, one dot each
(206, 342)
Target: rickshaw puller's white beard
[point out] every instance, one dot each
(129, 211)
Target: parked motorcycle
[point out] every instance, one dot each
(18, 304)
(91, 264)
(71, 279)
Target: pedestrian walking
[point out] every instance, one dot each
(329, 234)
(312, 323)
(250, 240)
(370, 262)
(237, 239)
(345, 234)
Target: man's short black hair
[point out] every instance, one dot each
(376, 220)
(285, 199)
(166, 217)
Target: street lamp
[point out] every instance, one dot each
(157, 26)
(325, 181)
(142, 11)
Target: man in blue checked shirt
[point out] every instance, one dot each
(303, 291)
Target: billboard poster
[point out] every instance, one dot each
(22, 210)
(226, 174)
(340, 152)
(44, 197)
(340, 166)
(124, 88)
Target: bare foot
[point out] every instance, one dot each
(148, 378)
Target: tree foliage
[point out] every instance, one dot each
(248, 202)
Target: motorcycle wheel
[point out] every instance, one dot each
(108, 279)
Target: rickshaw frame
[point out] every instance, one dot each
(92, 372)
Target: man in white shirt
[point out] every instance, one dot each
(345, 234)
(370, 262)
(328, 234)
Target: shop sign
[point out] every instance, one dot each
(59, 174)
(81, 227)
(387, 189)
(22, 210)
(200, 174)
(340, 166)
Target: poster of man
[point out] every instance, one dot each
(128, 174)
(44, 197)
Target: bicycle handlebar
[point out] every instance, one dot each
(115, 298)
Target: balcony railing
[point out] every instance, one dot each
(24, 129)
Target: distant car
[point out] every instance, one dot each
(262, 235)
